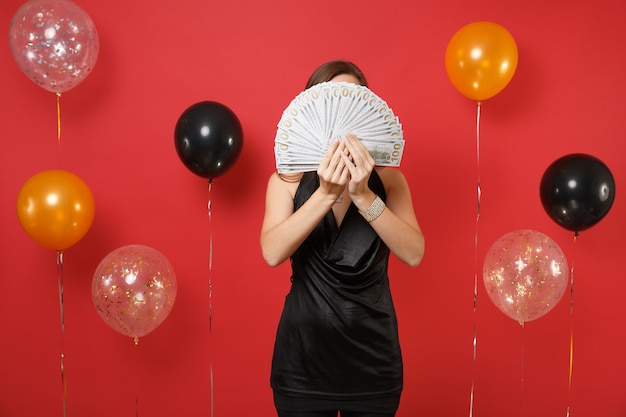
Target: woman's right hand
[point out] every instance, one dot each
(284, 229)
(332, 171)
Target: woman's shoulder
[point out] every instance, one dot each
(288, 178)
(390, 175)
(285, 181)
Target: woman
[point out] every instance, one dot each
(337, 347)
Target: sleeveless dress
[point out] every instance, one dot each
(337, 338)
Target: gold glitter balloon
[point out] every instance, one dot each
(525, 274)
(133, 289)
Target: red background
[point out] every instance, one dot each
(158, 57)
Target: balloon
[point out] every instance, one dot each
(133, 289)
(208, 138)
(481, 59)
(525, 274)
(54, 42)
(55, 208)
(577, 191)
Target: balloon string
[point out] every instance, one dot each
(473, 374)
(478, 194)
(478, 163)
(136, 347)
(522, 368)
(59, 125)
(210, 293)
(210, 258)
(571, 332)
(63, 380)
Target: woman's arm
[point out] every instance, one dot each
(397, 225)
(284, 230)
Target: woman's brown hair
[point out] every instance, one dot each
(323, 73)
(331, 69)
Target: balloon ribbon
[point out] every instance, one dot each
(210, 293)
(478, 194)
(59, 126)
(136, 344)
(63, 381)
(571, 333)
(522, 367)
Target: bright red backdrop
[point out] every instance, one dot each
(157, 58)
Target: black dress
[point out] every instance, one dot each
(337, 338)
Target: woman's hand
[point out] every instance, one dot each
(284, 229)
(397, 225)
(359, 163)
(333, 172)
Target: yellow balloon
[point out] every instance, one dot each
(55, 208)
(481, 59)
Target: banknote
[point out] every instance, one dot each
(327, 112)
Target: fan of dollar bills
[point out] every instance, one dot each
(328, 111)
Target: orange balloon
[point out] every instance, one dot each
(55, 208)
(481, 59)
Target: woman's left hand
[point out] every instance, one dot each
(360, 164)
(397, 225)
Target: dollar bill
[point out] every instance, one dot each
(328, 111)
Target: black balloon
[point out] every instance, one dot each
(577, 191)
(208, 138)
